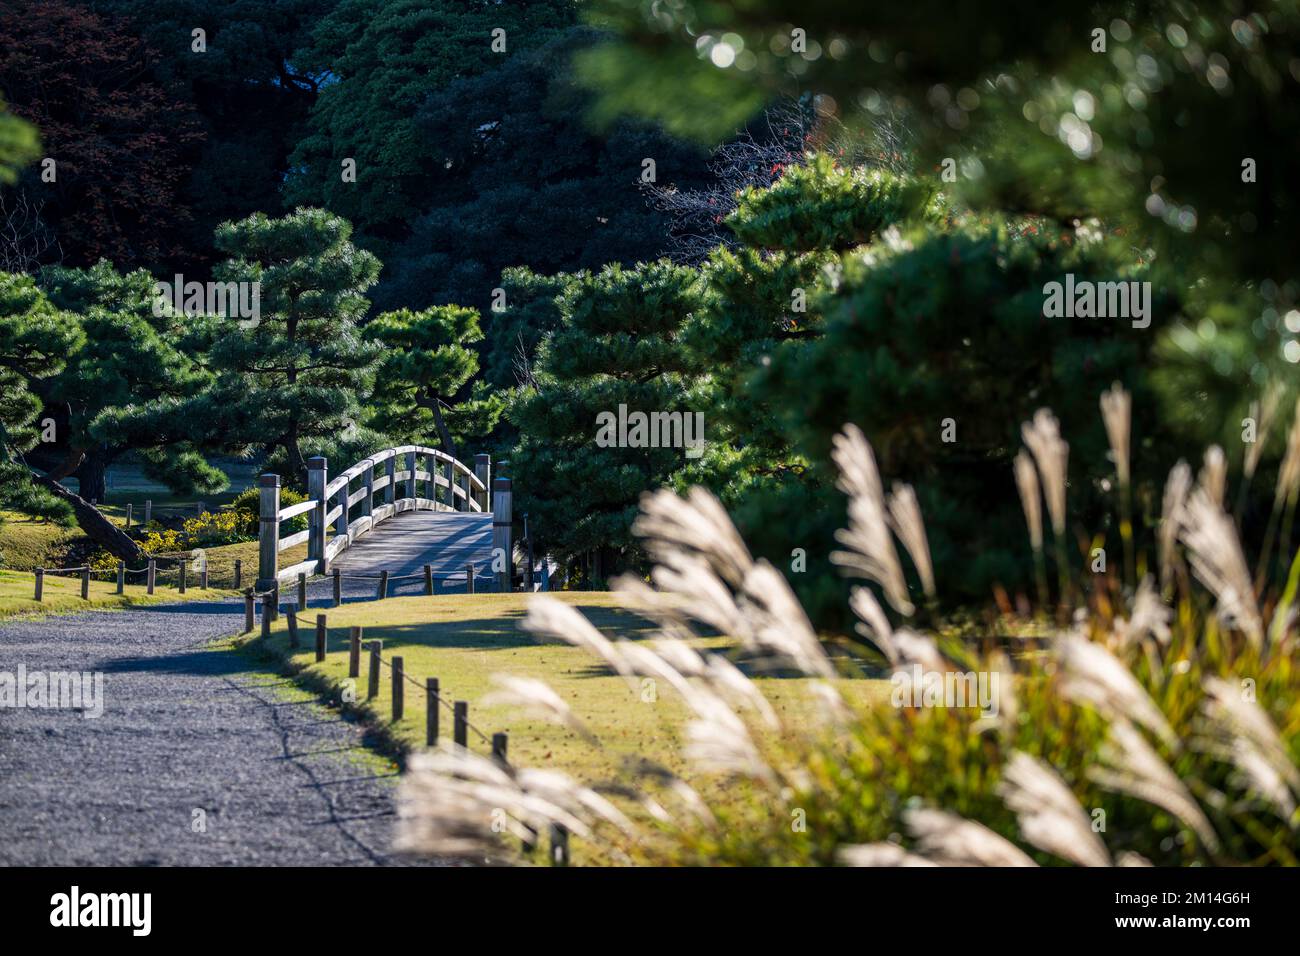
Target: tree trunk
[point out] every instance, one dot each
(297, 464)
(98, 528)
(71, 462)
(444, 433)
(92, 476)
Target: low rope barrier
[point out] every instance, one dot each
(181, 568)
(433, 696)
(436, 697)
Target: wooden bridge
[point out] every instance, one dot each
(397, 511)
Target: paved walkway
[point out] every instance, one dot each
(193, 733)
(279, 779)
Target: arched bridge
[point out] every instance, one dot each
(398, 510)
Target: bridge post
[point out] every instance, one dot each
(502, 502)
(268, 530)
(483, 471)
(410, 477)
(451, 486)
(368, 502)
(390, 470)
(317, 479)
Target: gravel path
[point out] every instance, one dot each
(279, 780)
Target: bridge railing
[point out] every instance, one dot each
(334, 521)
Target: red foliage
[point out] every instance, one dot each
(120, 140)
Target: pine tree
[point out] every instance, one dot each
(936, 344)
(763, 295)
(35, 339)
(296, 374)
(619, 345)
(530, 311)
(427, 362)
(134, 355)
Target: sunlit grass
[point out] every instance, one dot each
(62, 593)
(463, 639)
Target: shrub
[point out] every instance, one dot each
(211, 530)
(247, 507)
(1145, 731)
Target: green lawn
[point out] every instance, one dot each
(62, 593)
(26, 543)
(463, 639)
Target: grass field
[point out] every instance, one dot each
(464, 639)
(26, 543)
(62, 593)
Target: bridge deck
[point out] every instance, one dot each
(405, 543)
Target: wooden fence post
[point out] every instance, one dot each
(317, 479)
(148, 510)
(559, 845)
(501, 521)
(372, 679)
(483, 472)
(338, 587)
(460, 723)
(302, 589)
(266, 621)
(275, 601)
(128, 516)
(268, 530)
(469, 579)
(431, 711)
(151, 575)
(250, 611)
(320, 637)
(239, 573)
(181, 578)
(40, 583)
(203, 574)
(121, 577)
(383, 585)
(499, 744)
(428, 579)
(291, 616)
(354, 652)
(85, 583)
(399, 690)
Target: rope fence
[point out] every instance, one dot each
(434, 698)
(181, 563)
